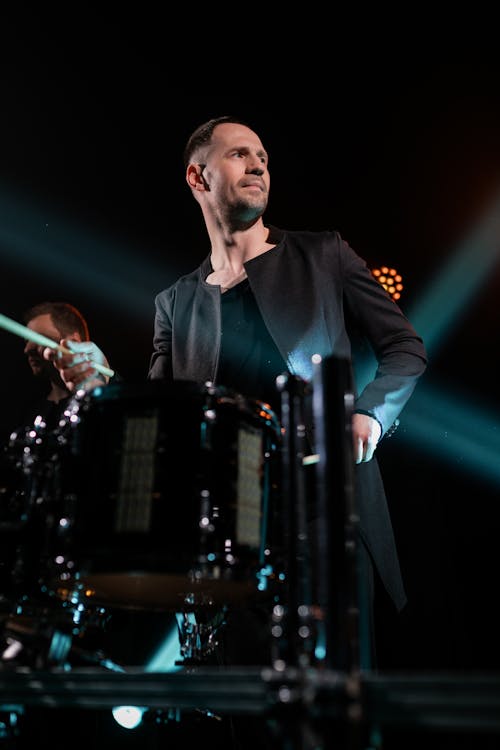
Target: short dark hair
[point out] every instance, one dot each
(203, 134)
(64, 316)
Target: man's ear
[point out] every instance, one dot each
(194, 177)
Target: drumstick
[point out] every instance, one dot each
(26, 333)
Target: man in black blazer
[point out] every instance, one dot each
(265, 301)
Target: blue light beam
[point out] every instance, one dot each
(446, 298)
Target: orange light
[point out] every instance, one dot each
(390, 279)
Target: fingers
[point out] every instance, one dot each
(366, 433)
(363, 451)
(76, 362)
(49, 354)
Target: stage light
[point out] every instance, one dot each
(390, 279)
(444, 424)
(128, 717)
(36, 237)
(167, 658)
(458, 280)
(440, 422)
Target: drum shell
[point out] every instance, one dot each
(168, 495)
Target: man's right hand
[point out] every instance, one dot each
(77, 366)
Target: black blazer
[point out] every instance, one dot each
(307, 288)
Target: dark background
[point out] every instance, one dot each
(393, 146)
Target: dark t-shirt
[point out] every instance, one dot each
(249, 360)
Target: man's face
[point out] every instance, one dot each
(236, 172)
(44, 325)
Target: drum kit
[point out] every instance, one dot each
(171, 507)
(175, 501)
(145, 497)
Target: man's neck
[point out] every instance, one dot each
(233, 249)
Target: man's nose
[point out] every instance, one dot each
(256, 169)
(254, 164)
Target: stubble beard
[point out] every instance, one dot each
(243, 214)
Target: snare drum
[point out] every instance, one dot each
(168, 497)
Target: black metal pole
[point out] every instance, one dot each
(297, 639)
(336, 561)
